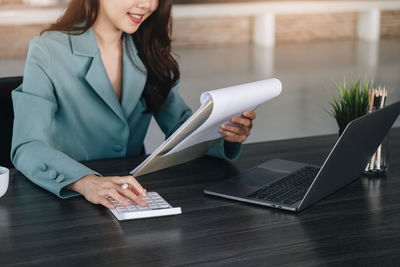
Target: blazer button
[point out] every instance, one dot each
(52, 174)
(43, 167)
(60, 178)
(117, 148)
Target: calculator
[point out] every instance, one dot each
(156, 206)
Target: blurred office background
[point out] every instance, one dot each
(308, 45)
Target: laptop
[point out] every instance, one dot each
(295, 186)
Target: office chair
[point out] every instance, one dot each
(6, 118)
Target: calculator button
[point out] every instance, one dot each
(121, 209)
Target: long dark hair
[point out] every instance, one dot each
(152, 40)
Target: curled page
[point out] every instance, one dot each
(229, 102)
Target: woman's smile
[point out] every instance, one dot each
(136, 18)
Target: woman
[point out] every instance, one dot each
(92, 82)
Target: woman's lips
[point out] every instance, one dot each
(137, 18)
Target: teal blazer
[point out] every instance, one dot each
(66, 111)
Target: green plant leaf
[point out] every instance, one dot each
(351, 102)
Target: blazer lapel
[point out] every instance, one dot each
(86, 45)
(134, 76)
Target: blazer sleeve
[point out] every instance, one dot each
(175, 112)
(35, 106)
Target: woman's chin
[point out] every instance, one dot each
(130, 29)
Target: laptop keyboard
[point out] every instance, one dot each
(289, 189)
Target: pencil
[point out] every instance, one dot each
(371, 100)
(379, 151)
(371, 107)
(372, 164)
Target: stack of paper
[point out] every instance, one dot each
(196, 136)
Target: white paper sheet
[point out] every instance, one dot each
(230, 102)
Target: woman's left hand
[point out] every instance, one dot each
(241, 129)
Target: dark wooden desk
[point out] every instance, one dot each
(359, 225)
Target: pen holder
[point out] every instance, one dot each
(379, 162)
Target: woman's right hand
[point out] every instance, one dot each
(98, 190)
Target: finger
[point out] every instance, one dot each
(241, 121)
(245, 131)
(137, 186)
(249, 114)
(115, 195)
(233, 129)
(134, 190)
(233, 137)
(136, 199)
(133, 183)
(106, 203)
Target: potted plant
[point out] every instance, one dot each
(351, 103)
